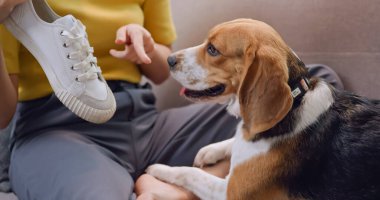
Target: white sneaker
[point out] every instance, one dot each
(61, 47)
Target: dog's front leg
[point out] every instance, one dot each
(213, 153)
(197, 181)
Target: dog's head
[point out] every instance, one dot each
(243, 58)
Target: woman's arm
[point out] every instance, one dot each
(8, 88)
(141, 49)
(8, 83)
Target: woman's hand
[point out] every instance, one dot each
(138, 42)
(141, 49)
(149, 188)
(6, 7)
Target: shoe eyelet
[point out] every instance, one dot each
(61, 33)
(76, 79)
(68, 56)
(72, 68)
(65, 45)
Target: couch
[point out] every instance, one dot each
(342, 34)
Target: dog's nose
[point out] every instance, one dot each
(172, 61)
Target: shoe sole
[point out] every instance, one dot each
(71, 102)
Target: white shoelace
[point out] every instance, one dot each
(77, 39)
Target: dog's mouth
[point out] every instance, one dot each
(209, 92)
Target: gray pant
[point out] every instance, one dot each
(57, 156)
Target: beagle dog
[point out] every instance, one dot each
(299, 138)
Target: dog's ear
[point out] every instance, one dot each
(264, 95)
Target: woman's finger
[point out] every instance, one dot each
(119, 54)
(121, 35)
(138, 44)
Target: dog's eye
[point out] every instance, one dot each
(212, 50)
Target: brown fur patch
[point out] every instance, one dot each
(260, 178)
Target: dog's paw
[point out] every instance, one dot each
(161, 172)
(209, 155)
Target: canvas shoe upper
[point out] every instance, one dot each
(61, 47)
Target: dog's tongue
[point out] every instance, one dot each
(182, 91)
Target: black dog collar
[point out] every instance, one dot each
(299, 90)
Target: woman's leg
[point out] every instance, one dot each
(63, 165)
(326, 73)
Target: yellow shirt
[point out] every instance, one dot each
(102, 18)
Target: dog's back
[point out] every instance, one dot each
(340, 154)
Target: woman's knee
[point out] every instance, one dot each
(67, 166)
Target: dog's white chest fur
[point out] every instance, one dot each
(243, 150)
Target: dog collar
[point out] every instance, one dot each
(299, 90)
(300, 87)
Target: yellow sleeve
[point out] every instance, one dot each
(158, 21)
(10, 48)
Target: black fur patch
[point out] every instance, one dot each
(339, 156)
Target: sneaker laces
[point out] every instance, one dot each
(87, 65)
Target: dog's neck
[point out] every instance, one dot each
(315, 102)
(313, 98)
(301, 84)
